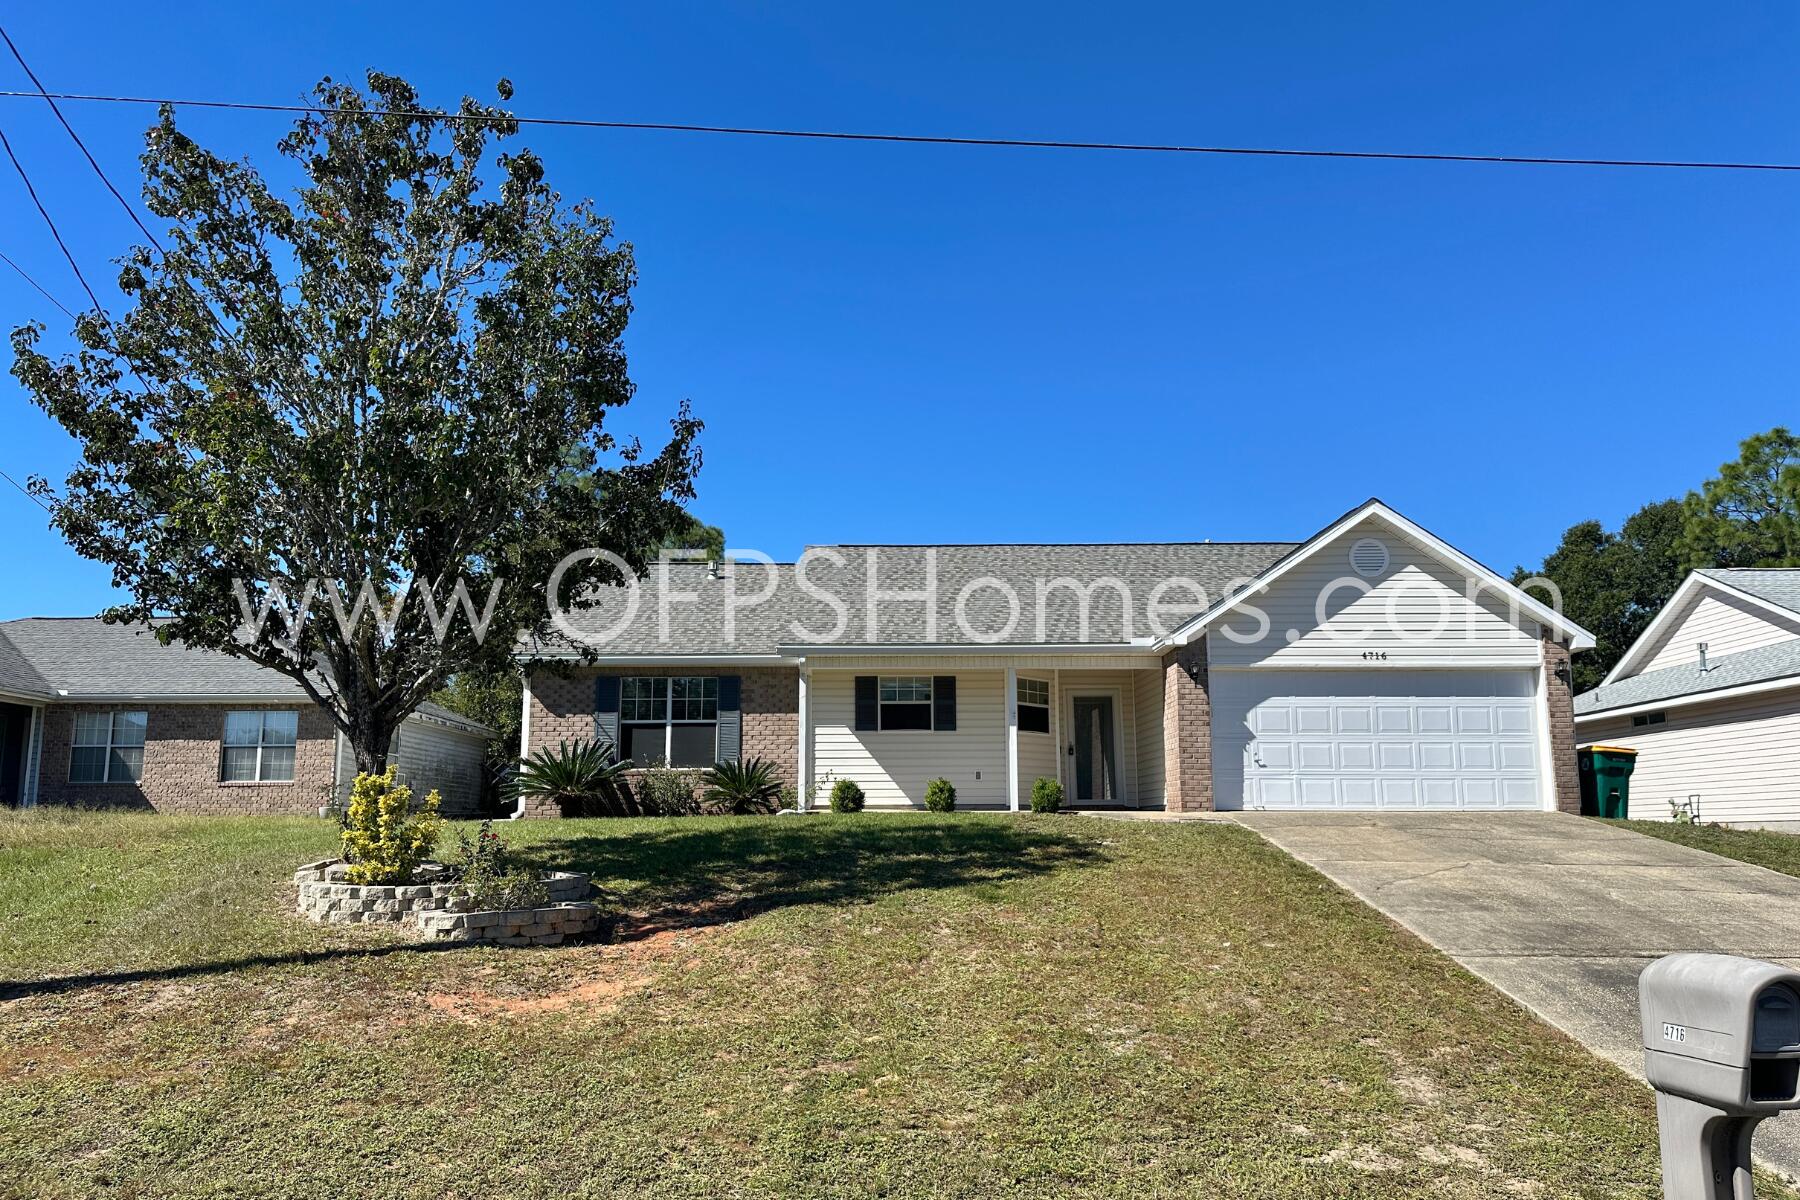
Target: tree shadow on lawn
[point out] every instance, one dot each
(688, 877)
(683, 877)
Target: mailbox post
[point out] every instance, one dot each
(1722, 1050)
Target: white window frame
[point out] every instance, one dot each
(911, 682)
(262, 743)
(662, 687)
(1024, 704)
(106, 770)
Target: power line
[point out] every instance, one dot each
(45, 213)
(921, 139)
(42, 290)
(86, 153)
(26, 491)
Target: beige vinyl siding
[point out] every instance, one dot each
(1037, 751)
(1147, 703)
(428, 757)
(1417, 595)
(893, 766)
(1725, 623)
(1738, 756)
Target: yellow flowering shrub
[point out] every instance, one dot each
(385, 838)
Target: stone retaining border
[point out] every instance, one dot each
(431, 905)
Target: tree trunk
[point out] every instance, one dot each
(370, 737)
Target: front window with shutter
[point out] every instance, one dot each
(669, 721)
(905, 701)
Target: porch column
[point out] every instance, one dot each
(803, 756)
(1012, 738)
(1056, 741)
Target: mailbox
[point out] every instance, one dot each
(1722, 1050)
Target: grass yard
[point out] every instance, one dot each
(1776, 851)
(976, 1006)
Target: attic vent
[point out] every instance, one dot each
(1369, 556)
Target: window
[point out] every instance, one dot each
(673, 721)
(259, 746)
(108, 747)
(1654, 718)
(1034, 706)
(905, 701)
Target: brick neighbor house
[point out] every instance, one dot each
(100, 715)
(1372, 666)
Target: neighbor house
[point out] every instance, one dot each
(1372, 666)
(1709, 697)
(103, 715)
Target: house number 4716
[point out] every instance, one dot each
(1374, 655)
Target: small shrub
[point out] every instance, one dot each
(489, 877)
(1046, 796)
(384, 837)
(667, 792)
(789, 798)
(940, 796)
(580, 779)
(846, 797)
(736, 789)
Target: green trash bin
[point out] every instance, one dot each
(1606, 780)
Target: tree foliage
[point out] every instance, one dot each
(1614, 584)
(1750, 515)
(397, 376)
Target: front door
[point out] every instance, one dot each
(1093, 746)
(15, 730)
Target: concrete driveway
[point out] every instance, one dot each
(1558, 912)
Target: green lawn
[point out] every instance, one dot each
(1776, 851)
(976, 1006)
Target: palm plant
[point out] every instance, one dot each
(581, 779)
(739, 788)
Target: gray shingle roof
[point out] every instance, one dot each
(75, 657)
(85, 656)
(1777, 585)
(693, 607)
(17, 676)
(1760, 665)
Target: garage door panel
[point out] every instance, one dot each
(1438, 793)
(1476, 756)
(1513, 719)
(1392, 739)
(1437, 756)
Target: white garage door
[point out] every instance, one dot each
(1375, 739)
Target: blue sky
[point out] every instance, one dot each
(894, 343)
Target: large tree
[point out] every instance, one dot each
(1614, 584)
(1750, 515)
(394, 378)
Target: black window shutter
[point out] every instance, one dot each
(731, 719)
(943, 703)
(868, 703)
(606, 711)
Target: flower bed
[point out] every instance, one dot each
(431, 905)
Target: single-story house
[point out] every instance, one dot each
(1371, 666)
(1709, 697)
(101, 715)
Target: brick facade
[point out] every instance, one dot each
(182, 750)
(1561, 703)
(1187, 730)
(562, 709)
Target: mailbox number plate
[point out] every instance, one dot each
(1674, 1033)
